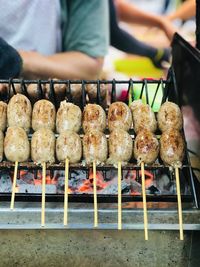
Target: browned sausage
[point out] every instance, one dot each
(119, 116)
(146, 147)
(16, 144)
(68, 145)
(94, 118)
(170, 116)
(120, 146)
(143, 117)
(95, 147)
(44, 115)
(172, 147)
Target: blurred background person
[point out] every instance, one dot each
(67, 39)
(185, 11)
(121, 10)
(10, 61)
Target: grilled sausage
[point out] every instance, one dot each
(76, 93)
(1, 145)
(68, 117)
(95, 147)
(16, 144)
(68, 145)
(170, 116)
(120, 146)
(94, 117)
(43, 146)
(172, 147)
(59, 90)
(34, 92)
(3, 116)
(44, 115)
(143, 117)
(19, 112)
(146, 147)
(91, 90)
(119, 116)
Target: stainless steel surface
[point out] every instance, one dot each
(27, 216)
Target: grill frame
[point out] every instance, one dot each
(170, 92)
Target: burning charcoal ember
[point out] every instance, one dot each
(68, 117)
(5, 182)
(119, 116)
(112, 187)
(136, 187)
(77, 179)
(16, 145)
(172, 148)
(170, 116)
(44, 115)
(43, 146)
(26, 177)
(29, 183)
(120, 147)
(164, 184)
(95, 147)
(146, 147)
(68, 145)
(152, 190)
(36, 189)
(87, 186)
(135, 181)
(1, 145)
(94, 118)
(3, 116)
(19, 112)
(143, 117)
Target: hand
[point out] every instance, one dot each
(168, 27)
(31, 61)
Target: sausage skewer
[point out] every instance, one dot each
(14, 186)
(43, 193)
(68, 149)
(65, 219)
(172, 153)
(180, 215)
(95, 151)
(146, 149)
(42, 151)
(119, 195)
(17, 149)
(120, 151)
(95, 194)
(144, 202)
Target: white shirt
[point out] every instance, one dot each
(31, 25)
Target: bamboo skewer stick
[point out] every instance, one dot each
(43, 193)
(14, 186)
(179, 202)
(95, 194)
(65, 220)
(144, 202)
(119, 196)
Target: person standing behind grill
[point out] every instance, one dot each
(122, 40)
(67, 39)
